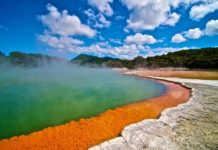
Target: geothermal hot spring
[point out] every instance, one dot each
(33, 99)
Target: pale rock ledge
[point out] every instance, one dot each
(192, 125)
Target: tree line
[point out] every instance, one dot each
(26, 60)
(205, 58)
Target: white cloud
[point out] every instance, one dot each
(211, 27)
(195, 33)
(103, 6)
(59, 43)
(187, 3)
(126, 30)
(178, 38)
(199, 8)
(96, 20)
(90, 13)
(116, 41)
(103, 22)
(63, 24)
(100, 49)
(144, 15)
(199, 11)
(161, 50)
(148, 14)
(175, 3)
(139, 38)
(172, 19)
(126, 51)
(68, 45)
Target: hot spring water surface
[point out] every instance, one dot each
(33, 99)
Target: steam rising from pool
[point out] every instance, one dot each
(33, 99)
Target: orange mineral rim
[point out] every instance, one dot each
(86, 133)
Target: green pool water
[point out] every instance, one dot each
(33, 99)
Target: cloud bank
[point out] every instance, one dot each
(63, 31)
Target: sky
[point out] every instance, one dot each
(116, 28)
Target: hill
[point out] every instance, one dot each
(205, 58)
(27, 60)
(84, 59)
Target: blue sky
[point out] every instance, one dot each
(116, 28)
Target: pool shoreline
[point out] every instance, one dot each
(191, 125)
(107, 125)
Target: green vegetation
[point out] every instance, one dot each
(84, 59)
(206, 58)
(26, 60)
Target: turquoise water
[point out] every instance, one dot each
(33, 99)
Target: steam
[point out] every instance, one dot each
(35, 98)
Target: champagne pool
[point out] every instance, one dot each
(33, 99)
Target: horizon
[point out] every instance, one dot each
(121, 29)
(60, 57)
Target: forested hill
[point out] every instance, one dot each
(206, 58)
(27, 60)
(84, 59)
(196, 58)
